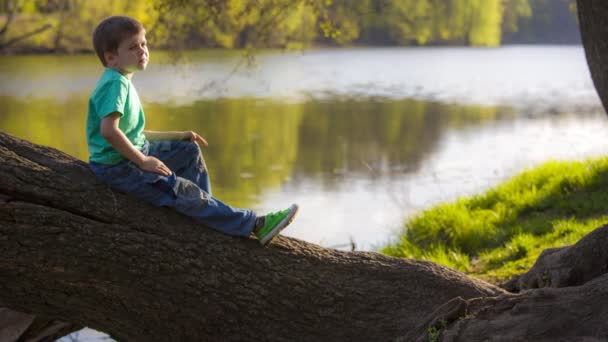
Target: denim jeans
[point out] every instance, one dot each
(187, 189)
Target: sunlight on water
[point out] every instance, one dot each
(522, 76)
(361, 138)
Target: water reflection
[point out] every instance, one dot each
(257, 145)
(373, 137)
(358, 136)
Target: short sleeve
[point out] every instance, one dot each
(111, 97)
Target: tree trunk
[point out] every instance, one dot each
(64, 6)
(565, 314)
(593, 22)
(75, 251)
(567, 266)
(580, 273)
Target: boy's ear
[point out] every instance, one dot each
(109, 57)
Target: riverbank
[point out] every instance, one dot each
(501, 233)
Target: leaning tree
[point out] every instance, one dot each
(74, 253)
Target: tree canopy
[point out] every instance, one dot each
(66, 25)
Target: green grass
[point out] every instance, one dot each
(501, 233)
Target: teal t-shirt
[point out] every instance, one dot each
(114, 93)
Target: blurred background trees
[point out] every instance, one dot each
(66, 25)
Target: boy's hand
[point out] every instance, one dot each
(192, 136)
(152, 164)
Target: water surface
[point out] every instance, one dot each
(360, 138)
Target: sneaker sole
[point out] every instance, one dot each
(284, 223)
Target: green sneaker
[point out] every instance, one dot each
(274, 223)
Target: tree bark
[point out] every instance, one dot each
(593, 22)
(567, 266)
(547, 314)
(565, 314)
(75, 251)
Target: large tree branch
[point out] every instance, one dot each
(75, 251)
(565, 314)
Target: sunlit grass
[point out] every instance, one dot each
(501, 233)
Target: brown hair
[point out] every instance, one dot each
(111, 31)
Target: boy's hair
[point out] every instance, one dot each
(111, 31)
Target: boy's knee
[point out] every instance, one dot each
(193, 147)
(192, 151)
(184, 145)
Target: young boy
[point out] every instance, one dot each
(162, 168)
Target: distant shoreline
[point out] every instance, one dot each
(30, 51)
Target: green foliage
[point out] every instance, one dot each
(501, 232)
(513, 12)
(287, 23)
(72, 22)
(470, 22)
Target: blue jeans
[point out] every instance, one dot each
(187, 189)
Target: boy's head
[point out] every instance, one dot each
(120, 43)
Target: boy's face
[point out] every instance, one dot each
(131, 55)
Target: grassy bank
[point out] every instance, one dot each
(500, 233)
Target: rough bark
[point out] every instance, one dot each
(565, 314)
(576, 312)
(75, 251)
(593, 23)
(567, 266)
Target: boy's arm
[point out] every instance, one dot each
(175, 135)
(115, 137)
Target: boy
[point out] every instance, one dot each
(162, 168)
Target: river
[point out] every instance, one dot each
(361, 138)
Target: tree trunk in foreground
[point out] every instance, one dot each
(567, 266)
(74, 251)
(593, 23)
(569, 300)
(575, 313)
